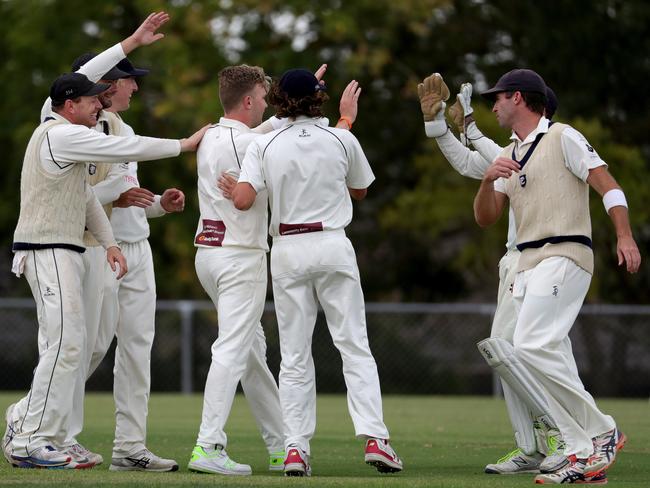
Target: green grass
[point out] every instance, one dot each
(444, 441)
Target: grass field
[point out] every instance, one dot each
(444, 441)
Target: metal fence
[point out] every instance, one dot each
(419, 348)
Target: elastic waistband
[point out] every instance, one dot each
(324, 234)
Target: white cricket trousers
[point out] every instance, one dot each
(503, 326)
(128, 313)
(235, 279)
(95, 267)
(549, 298)
(55, 278)
(308, 269)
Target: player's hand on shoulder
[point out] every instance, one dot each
(628, 253)
(192, 142)
(227, 183)
(135, 197)
(501, 168)
(117, 261)
(172, 200)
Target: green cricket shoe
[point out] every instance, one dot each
(515, 462)
(216, 461)
(276, 461)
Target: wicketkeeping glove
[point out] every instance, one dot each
(432, 93)
(462, 108)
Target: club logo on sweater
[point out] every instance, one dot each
(92, 169)
(522, 180)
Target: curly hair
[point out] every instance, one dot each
(237, 81)
(311, 106)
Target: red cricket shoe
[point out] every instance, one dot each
(296, 462)
(382, 456)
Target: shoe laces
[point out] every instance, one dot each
(555, 443)
(509, 456)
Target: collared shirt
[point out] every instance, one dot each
(579, 155)
(222, 150)
(68, 144)
(307, 170)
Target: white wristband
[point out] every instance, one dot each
(436, 128)
(614, 198)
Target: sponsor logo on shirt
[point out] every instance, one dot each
(289, 229)
(304, 133)
(212, 234)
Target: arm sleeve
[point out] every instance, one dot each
(116, 183)
(155, 210)
(97, 222)
(270, 124)
(360, 174)
(467, 163)
(72, 143)
(485, 146)
(251, 168)
(102, 63)
(579, 155)
(94, 70)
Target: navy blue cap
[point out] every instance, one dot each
(523, 80)
(128, 68)
(113, 74)
(299, 83)
(73, 85)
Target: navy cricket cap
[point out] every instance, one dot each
(72, 85)
(551, 103)
(299, 83)
(112, 74)
(523, 80)
(128, 68)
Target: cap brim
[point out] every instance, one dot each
(491, 94)
(115, 74)
(97, 89)
(138, 72)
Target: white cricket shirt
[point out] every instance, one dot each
(222, 150)
(307, 169)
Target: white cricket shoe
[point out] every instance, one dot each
(515, 462)
(42, 457)
(555, 459)
(297, 462)
(606, 446)
(144, 460)
(85, 458)
(216, 461)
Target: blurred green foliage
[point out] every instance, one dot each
(415, 235)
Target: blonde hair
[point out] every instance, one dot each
(235, 82)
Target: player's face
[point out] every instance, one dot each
(504, 110)
(124, 90)
(106, 97)
(85, 110)
(258, 102)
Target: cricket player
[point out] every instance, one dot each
(56, 205)
(546, 164)
(231, 265)
(310, 172)
(539, 444)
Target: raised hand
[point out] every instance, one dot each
(349, 105)
(433, 93)
(146, 34)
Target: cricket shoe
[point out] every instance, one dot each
(276, 461)
(215, 460)
(78, 452)
(606, 446)
(574, 472)
(297, 462)
(144, 460)
(45, 457)
(382, 456)
(515, 462)
(555, 459)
